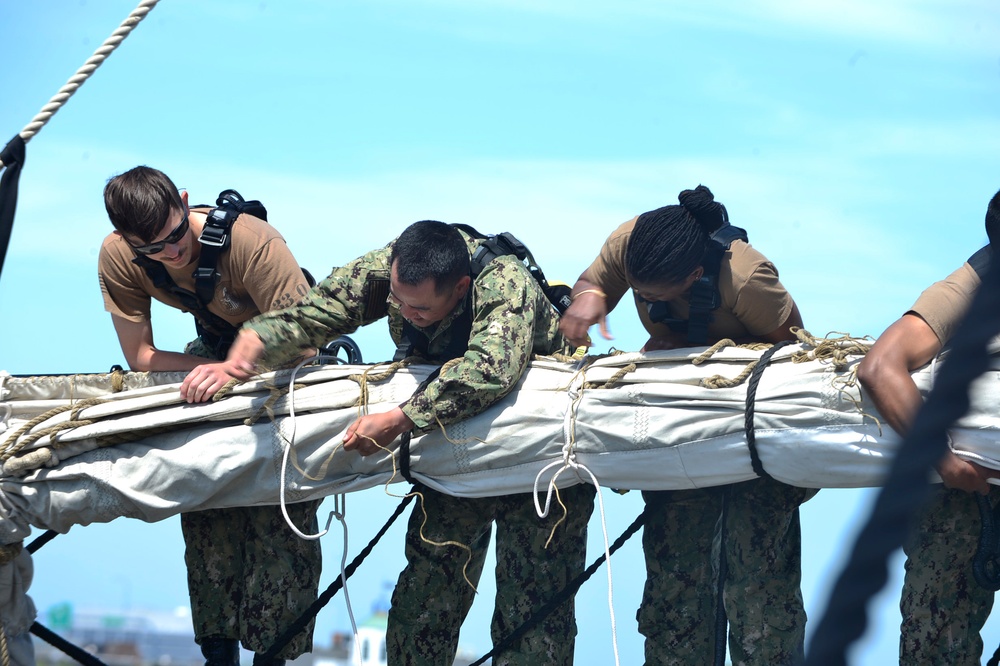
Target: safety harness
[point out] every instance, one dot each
(490, 247)
(704, 295)
(416, 343)
(217, 333)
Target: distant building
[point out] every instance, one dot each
(156, 638)
(122, 638)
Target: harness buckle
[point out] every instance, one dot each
(216, 230)
(205, 273)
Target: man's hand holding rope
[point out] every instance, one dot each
(241, 363)
(374, 432)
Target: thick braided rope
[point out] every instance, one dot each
(11, 446)
(82, 74)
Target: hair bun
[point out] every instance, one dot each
(701, 203)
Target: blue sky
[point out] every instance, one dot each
(857, 142)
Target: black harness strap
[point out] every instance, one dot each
(217, 333)
(404, 439)
(758, 372)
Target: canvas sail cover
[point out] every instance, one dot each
(127, 445)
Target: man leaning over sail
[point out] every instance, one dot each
(943, 607)
(493, 322)
(696, 280)
(249, 576)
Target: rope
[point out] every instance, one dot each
(328, 594)
(758, 372)
(82, 74)
(9, 552)
(906, 489)
(563, 595)
(575, 392)
(614, 379)
(41, 540)
(10, 448)
(60, 643)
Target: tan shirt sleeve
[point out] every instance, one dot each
(124, 286)
(608, 269)
(752, 292)
(943, 304)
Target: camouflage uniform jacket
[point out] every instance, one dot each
(512, 319)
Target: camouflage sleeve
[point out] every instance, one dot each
(348, 298)
(500, 347)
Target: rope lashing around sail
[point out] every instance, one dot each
(11, 446)
(88, 68)
(755, 376)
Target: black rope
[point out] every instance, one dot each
(41, 540)
(721, 619)
(12, 156)
(758, 372)
(986, 563)
(60, 643)
(323, 599)
(906, 489)
(563, 595)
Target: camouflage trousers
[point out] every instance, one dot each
(432, 599)
(249, 576)
(942, 605)
(761, 592)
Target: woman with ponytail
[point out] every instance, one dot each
(662, 256)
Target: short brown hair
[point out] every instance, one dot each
(139, 202)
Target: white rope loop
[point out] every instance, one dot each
(82, 74)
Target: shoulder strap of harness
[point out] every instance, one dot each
(980, 261)
(215, 238)
(496, 245)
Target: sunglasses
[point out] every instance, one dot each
(173, 237)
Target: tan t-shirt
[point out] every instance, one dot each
(754, 302)
(943, 304)
(258, 273)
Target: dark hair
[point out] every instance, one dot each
(139, 202)
(668, 243)
(993, 221)
(431, 249)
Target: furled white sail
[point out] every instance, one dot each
(641, 421)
